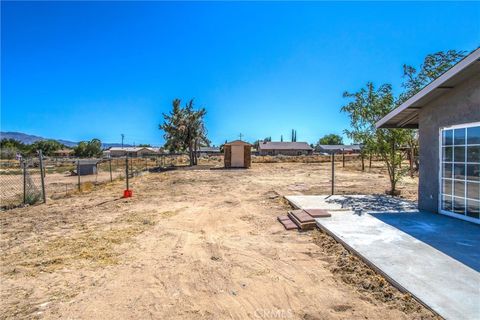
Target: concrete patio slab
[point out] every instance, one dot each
(408, 257)
(380, 203)
(444, 284)
(456, 238)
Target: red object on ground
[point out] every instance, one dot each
(127, 193)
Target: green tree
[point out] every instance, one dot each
(88, 149)
(144, 145)
(330, 139)
(48, 147)
(366, 107)
(433, 66)
(184, 129)
(10, 147)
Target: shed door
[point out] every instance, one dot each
(237, 156)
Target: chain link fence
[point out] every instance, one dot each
(21, 182)
(69, 176)
(33, 180)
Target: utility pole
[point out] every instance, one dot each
(241, 135)
(123, 136)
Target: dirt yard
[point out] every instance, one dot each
(200, 244)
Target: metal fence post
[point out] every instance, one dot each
(343, 158)
(78, 173)
(24, 166)
(42, 173)
(333, 173)
(131, 165)
(110, 163)
(126, 169)
(363, 162)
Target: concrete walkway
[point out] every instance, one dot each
(446, 285)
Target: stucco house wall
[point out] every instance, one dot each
(458, 106)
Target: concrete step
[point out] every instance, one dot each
(302, 219)
(318, 213)
(301, 216)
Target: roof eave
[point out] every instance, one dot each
(436, 84)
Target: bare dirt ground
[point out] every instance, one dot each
(199, 244)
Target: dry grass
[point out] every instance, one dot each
(89, 248)
(86, 249)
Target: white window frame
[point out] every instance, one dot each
(440, 168)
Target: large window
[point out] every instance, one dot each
(460, 171)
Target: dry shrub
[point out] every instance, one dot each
(353, 271)
(86, 186)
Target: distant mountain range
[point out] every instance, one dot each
(29, 139)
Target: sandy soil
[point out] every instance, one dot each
(199, 244)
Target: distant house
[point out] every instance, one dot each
(268, 148)
(132, 152)
(206, 151)
(63, 153)
(447, 115)
(339, 148)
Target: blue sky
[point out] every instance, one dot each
(80, 70)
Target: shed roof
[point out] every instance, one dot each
(269, 145)
(406, 115)
(237, 142)
(88, 162)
